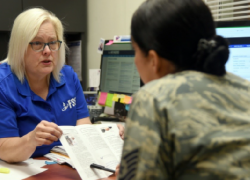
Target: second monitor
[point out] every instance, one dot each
(238, 35)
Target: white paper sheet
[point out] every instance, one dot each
(21, 170)
(36, 162)
(94, 77)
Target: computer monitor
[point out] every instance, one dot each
(118, 71)
(238, 35)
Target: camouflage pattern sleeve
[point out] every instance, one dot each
(145, 130)
(189, 126)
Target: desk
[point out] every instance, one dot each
(59, 172)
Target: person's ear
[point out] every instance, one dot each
(160, 66)
(154, 61)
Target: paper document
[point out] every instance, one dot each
(35, 162)
(86, 144)
(22, 170)
(59, 158)
(94, 77)
(101, 46)
(59, 149)
(122, 38)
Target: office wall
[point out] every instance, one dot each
(106, 18)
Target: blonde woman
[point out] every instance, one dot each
(37, 91)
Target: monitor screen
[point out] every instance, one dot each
(90, 97)
(118, 71)
(238, 35)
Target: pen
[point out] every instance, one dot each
(101, 167)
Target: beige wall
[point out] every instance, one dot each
(106, 18)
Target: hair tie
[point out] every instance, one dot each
(206, 45)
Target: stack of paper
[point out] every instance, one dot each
(59, 149)
(59, 158)
(59, 155)
(22, 170)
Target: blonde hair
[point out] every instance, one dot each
(25, 28)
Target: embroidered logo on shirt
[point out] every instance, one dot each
(69, 104)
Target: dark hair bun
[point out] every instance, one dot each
(212, 56)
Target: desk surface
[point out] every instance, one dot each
(59, 172)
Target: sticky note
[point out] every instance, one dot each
(4, 170)
(120, 96)
(127, 106)
(50, 162)
(127, 99)
(98, 97)
(122, 100)
(110, 42)
(115, 98)
(102, 99)
(130, 100)
(109, 101)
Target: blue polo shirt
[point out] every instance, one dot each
(21, 110)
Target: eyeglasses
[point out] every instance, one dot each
(39, 46)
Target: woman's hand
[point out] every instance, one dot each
(117, 170)
(121, 130)
(45, 133)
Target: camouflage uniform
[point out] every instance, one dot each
(189, 126)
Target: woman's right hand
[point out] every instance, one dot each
(45, 133)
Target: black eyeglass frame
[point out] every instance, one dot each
(45, 44)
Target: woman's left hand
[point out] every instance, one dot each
(117, 170)
(121, 130)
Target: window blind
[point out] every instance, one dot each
(226, 10)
